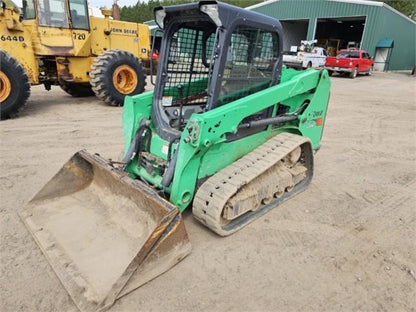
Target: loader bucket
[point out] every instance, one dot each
(103, 233)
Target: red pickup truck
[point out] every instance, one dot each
(352, 62)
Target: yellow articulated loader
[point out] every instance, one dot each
(228, 132)
(56, 42)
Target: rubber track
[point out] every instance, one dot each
(214, 193)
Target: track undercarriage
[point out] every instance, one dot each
(256, 183)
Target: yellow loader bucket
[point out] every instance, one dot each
(103, 233)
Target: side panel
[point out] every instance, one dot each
(82, 42)
(64, 42)
(316, 59)
(99, 40)
(109, 35)
(56, 38)
(74, 69)
(135, 108)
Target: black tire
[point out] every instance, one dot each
(354, 73)
(76, 89)
(112, 65)
(14, 86)
(309, 65)
(330, 72)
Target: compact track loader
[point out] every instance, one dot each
(227, 132)
(57, 42)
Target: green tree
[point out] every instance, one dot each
(406, 7)
(143, 11)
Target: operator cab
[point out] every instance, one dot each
(215, 54)
(71, 14)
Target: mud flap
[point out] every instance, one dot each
(103, 233)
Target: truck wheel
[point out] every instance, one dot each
(354, 73)
(14, 86)
(370, 72)
(76, 89)
(115, 74)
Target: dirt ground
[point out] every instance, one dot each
(345, 244)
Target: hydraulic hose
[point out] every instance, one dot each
(168, 176)
(136, 142)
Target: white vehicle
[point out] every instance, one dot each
(305, 56)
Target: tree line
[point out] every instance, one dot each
(143, 11)
(407, 7)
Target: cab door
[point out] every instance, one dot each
(80, 24)
(54, 30)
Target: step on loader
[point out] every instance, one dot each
(227, 132)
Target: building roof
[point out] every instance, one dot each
(361, 2)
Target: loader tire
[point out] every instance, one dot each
(115, 74)
(76, 89)
(14, 86)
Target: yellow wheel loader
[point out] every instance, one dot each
(56, 42)
(227, 132)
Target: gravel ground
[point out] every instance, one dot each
(345, 244)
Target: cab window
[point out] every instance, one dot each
(251, 60)
(79, 14)
(52, 13)
(28, 9)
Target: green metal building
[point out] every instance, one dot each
(388, 35)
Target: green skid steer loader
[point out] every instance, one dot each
(226, 132)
